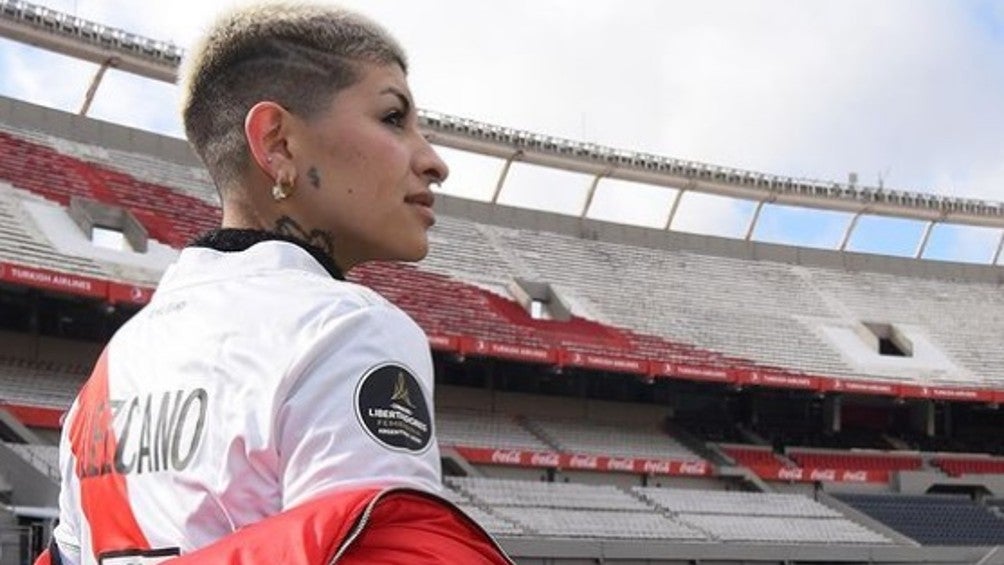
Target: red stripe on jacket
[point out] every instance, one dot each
(104, 496)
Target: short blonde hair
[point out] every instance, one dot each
(297, 55)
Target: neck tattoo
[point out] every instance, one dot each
(289, 227)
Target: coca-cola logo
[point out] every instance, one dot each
(615, 464)
(507, 456)
(855, 476)
(583, 462)
(693, 468)
(656, 467)
(789, 474)
(823, 475)
(544, 459)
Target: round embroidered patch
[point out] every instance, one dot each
(391, 407)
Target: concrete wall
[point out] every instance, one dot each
(89, 130)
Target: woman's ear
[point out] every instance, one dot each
(266, 128)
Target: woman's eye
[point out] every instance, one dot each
(394, 118)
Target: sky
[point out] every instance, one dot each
(907, 93)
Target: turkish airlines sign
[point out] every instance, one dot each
(603, 362)
(52, 280)
(46, 279)
(777, 379)
(859, 387)
(527, 458)
(483, 347)
(693, 372)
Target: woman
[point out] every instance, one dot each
(261, 409)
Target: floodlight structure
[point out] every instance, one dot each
(115, 48)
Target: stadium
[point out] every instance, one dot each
(605, 393)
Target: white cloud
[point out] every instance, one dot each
(471, 175)
(632, 203)
(712, 215)
(43, 78)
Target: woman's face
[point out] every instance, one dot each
(363, 172)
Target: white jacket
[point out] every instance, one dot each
(252, 382)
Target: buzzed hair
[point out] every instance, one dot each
(295, 54)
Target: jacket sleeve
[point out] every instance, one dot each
(360, 527)
(356, 408)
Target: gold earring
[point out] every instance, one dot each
(281, 190)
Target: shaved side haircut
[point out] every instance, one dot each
(294, 54)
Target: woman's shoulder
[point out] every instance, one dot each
(332, 299)
(350, 295)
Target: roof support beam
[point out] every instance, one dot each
(850, 230)
(674, 208)
(95, 83)
(753, 221)
(1000, 246)
(922, 246)
(592, 192)
(505, 172)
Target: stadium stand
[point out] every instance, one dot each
(35, 383)
(571, 510)
(577, 510)
(20, 243)
(762, 529)
(755, 456)
(479, 429)
(169, 217)
(931, 519)
(483, 516)
(736, 503)
(577, 436)
(600, 524)
(972, 464)
(498, 492)
(760, 517)
(881, 461)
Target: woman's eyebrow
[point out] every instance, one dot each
(405, 101)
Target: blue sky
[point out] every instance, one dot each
(908, 91)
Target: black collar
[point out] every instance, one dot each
(232, 240)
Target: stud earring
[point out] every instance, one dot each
(281, 190)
